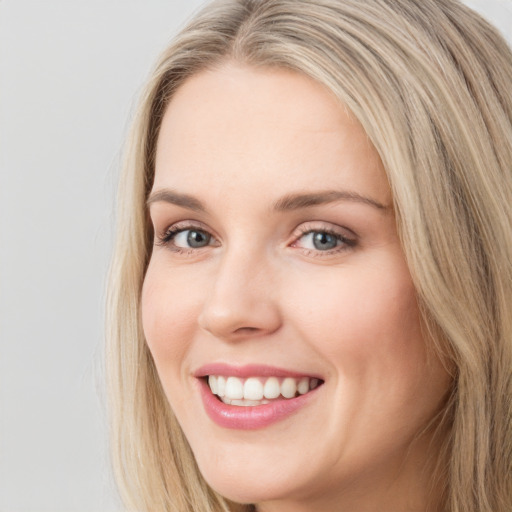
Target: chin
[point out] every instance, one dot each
(249, 489)
(252, 479)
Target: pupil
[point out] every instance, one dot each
(324, 241)
(197, 239)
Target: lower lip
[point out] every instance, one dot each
(250, 418)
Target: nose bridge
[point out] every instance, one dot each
(240, 299)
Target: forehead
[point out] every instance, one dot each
(237, 124)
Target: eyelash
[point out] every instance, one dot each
(345, 242)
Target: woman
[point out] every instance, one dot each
(310, 295)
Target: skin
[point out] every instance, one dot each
(239, 139)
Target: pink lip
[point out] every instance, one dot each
(250, 370)
(249, 418)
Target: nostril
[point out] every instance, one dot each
(247, 329)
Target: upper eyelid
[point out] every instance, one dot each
(183, 225)
(308, 227)
(348, 239)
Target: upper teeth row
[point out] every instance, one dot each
(258, 388)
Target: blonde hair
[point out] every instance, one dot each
(430, 81)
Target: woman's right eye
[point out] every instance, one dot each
(191, 238)
(180, 239)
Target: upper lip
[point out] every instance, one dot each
(250, 370)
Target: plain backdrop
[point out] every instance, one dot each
(70, 71)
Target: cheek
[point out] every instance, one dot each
(360, 310)
(168, 316)
(366, 322)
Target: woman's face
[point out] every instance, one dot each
(277, 270)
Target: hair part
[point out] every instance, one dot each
(429, 81)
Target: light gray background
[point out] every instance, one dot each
(69, 73)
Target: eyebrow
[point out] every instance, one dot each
(309, 199)
(170, 196)
(286, 203)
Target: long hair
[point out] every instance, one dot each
(429, 80)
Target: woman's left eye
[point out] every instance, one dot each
(323, 241)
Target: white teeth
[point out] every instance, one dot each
(253, 389)
(234, 388)
(248, 403)
(259, 390)
(289, 387)
(221, 386)
(212, 381)
(302, 386)
(272, 389)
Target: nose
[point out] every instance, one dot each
(241, 301)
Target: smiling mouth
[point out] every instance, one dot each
(254, 391)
